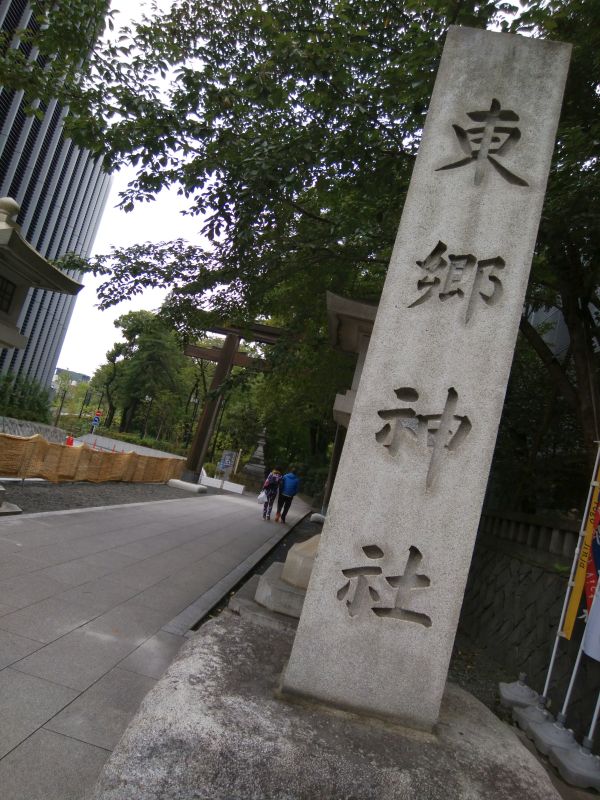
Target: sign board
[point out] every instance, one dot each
(228, 459)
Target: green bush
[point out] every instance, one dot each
(210, 469)
(23, 398)
(135, 438)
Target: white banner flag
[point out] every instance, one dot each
(591, 637)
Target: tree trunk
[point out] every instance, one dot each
(127, 418)
(575, 308)
(110, 415)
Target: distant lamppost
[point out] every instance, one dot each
(86, 401)
(196, 404)
(148, 400)
(60, 408)
(189, 424)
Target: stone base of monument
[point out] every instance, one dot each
(244, 604)
(299, 562)
(214, 728)
(277, 595)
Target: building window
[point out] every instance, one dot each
(7, 292)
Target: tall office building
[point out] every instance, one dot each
(62, 192)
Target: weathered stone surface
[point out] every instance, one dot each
(278, 595)
(299, 562)
(213, 729)
(9, 509)
(383, 602)
(244, 604)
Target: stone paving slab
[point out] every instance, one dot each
(100, 715)
(76, 572)
(76, 660)
(47, 620)
(49, 766)
(154, 656)
(14, 648)
(24, 590)
(85, 596)
(26, 703)
(100, 595)
(16, 565)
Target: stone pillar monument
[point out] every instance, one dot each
(380, 615)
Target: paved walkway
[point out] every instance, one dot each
(93, 605)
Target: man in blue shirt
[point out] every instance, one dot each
(287, 489)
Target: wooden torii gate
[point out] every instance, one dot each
(225, 358)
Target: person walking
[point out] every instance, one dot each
(271, 487)
(288, 488)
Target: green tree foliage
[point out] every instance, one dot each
(566, 271)
(23, 398)
(539, 462)
(144, 372)
(292, 129)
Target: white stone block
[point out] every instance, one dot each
(299, 562)
(277, 595)
(196, 488)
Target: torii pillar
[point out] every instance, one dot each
(206, 424)
(226, 358)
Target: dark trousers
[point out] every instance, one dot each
(268, 505)
(284, 501)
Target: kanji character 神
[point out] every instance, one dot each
(441, 432)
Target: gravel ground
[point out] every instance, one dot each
(33, 497)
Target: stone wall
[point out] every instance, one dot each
(514, 599)
(20, 427)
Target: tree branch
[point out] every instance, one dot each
(547, 358)
(308, 213)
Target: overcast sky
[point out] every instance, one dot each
(92, 332)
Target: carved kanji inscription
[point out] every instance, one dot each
(459, 278)
(441, 432)
(368, 590)
(485, 144)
